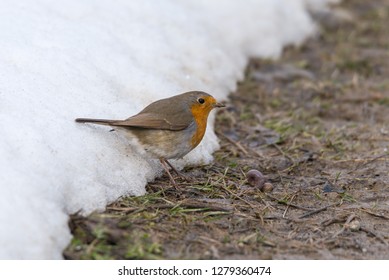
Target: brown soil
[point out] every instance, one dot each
(316, 124)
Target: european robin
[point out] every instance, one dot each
(168, 128)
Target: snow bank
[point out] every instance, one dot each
(68, 58)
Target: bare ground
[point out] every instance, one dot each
(316, 124)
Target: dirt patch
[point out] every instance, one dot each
(316, 124)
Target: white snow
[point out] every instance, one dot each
(108, 59)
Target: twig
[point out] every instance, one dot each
(288, 203)
(361, 99)
(287, 207)
(253, 207)
(374, 214)
(184, 204)
(371, 161)
(349, 219)
(90, 247)
(318, 210)
(238, 197)
(282, 152)
(237, 144)
(334, 220)
(361, 159)
(123, 209)
(376, 235)
(282, 218)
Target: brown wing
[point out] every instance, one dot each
(170, 113)
(150, 120)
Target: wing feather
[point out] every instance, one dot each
(152, 121)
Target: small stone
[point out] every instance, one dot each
(354, 225)
(267, 187)
(256, 179)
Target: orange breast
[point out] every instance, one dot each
(200, 115)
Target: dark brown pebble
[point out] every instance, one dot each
(256, 179)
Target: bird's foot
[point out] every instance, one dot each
(179, 173)
(164, 163)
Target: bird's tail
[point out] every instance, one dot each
(95, 121)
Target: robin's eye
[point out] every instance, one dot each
(201, 100)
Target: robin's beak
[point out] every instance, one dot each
(218, 105)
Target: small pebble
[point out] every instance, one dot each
(256, 179)
(267, 187)
(354, 225)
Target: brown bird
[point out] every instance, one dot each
(168, 128)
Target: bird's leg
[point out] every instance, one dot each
(164, 165)
(180, 174)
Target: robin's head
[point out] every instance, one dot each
(201, 104)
